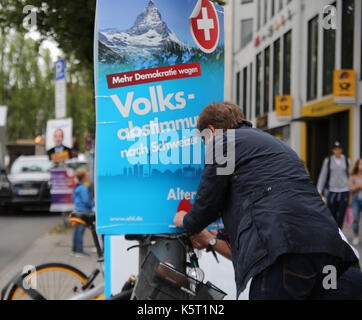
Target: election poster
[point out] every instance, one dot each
(62, 182)
(59, 139)
(158, 63)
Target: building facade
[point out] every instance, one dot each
(290, 48)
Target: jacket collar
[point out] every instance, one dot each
(244, 124)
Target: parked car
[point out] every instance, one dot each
(5, 191)
(29, 177)
(76, 163)
(30, 181)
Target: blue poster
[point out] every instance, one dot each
(158, 63)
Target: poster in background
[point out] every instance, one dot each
(62, 183)
(157, 65)
(66, 125)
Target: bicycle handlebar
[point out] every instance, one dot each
(152, 237)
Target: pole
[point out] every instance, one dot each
(165, 249)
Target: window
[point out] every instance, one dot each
(245, 87)
(246, 1)
(31, 165)
(287, 63)
(347, 33)
(280, 5)
(238, 88)
(266, 79)
(246, 32)
(276, 73)
(266, 11)
(272, 8)
(258, 80)
(329, 49)
(312, 74)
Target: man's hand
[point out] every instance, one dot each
(201, 241)
(178, 219)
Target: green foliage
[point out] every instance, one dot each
(27, 88)
(220, 2)
(70, 23)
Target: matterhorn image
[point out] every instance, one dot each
(149, 42)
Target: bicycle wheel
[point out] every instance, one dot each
(54, 281)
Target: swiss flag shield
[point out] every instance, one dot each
(204, 24)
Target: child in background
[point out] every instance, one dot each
(83, 203)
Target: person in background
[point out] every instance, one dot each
(83, 203)
(355, 186)
(75, 148)
(88, 141)
(334, 177)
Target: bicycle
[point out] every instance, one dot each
(157, 275)
(57, 281)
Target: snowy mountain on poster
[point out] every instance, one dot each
(147, 39)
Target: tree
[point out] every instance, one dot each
(27, 88)
(70, 23)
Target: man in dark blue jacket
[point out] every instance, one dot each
(280, 231)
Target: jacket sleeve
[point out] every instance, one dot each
(209, 199)
(323, 176)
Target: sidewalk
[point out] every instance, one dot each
(54, 246)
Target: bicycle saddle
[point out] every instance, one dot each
(84, 218)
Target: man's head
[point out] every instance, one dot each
(58, 137)
(337, 149)
(220, 115)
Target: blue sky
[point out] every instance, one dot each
(121, 14)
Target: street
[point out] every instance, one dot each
(20, 230)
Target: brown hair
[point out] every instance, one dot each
(355, 169)
(80, 173)
(221, 115)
